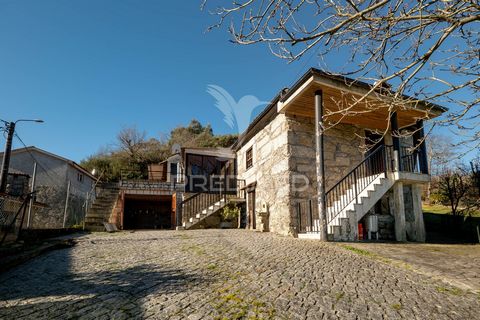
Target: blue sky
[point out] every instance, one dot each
(90, 67)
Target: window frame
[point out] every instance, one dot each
(249, 159)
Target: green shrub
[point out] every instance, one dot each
(438, 198)
(230, 212)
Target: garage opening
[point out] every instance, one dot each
(148, 212)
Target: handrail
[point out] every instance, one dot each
(92, 189)
(356, 167)
(382, 159)
(88, 200)
(200, 201)
(356, 181)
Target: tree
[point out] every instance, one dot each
(440, 152)
(453, 186)
(132, 152)
(427, 49)
(130, 140)
(456, 188)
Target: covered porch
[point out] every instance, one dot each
(396, 154)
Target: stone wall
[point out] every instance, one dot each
(284, 165)
(271, 172)
(50, 217)
(341, 152)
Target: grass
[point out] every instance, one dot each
(234, 305)
(440, 209)
(212, 266)
(436, 208)
(339, 296)
(452, 291)
(397, 306)
(358, 251)
(377, 257)
(193, 248)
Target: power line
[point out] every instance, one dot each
(38, 162)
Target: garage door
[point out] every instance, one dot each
(148, 213)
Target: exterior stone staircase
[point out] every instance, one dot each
(350, 199)
(342, 224)
(101, 209)
(195, 222)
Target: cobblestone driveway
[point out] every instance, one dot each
(221, 274)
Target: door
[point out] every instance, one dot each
(251, 209)
(174, 211)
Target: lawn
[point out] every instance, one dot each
(439, 209)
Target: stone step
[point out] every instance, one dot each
(95, 219)
(95, 228)
(103, 199)
(99, 212)
(101, 207)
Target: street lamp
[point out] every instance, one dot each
(10, 127)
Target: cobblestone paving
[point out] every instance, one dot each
(215, 274)
(457, 264)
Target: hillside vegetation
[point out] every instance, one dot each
(132, 151)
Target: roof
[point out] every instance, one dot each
(283, 95)
(215, 152)
(252, 128)
(350, 82)
(49, 154)
(17, 172)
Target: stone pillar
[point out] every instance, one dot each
(396, 141)
(322, 210)
(399, 212)
(420, 234)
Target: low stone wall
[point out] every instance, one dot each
(386, 227)
(117, 211)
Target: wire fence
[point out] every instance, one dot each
(58, 207)
(13, 211)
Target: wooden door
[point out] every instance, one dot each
(251, 209)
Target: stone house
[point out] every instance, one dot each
(55, 176)
(157, 198)
(296, 175)
(293, 169)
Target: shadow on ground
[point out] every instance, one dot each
(116, 293)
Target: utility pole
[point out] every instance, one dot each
(6, 156)
(10, 126)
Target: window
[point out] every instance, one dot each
(249, 158)
(79, 177)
